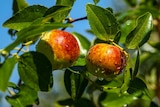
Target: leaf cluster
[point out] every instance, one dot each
(130, 30)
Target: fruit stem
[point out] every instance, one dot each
(126, 54)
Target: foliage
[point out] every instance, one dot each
(134, 30)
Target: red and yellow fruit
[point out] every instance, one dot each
(60, 47)
(105, 60)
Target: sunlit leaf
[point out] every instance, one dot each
(5, 72)
(65, 2)
(127, 76)
(140, 34)
(25, 17)
(81, 61)
(116, 100)
(115, 83)
(57, 13)
(126, 28)
(35, 71)
(102, 22)
(31, 32)
(25, 97)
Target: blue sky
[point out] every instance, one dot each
(77, 12)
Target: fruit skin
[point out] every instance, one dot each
(60, 47)
(105, 60)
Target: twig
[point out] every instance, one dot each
(69, 20)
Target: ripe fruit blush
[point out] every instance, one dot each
(105, 60)
(60, 47)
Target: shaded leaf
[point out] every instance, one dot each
(84, 43)
(102, 22)
(138, 86)
(74, 82)
(19, 5)
(25, 97)
(66, 102)
(25, 17)
(140, 34)
(136, 68)
(151, 61)
(84, 102)
(5, 72)
(13, 85)
(31, 32)
(35, 71)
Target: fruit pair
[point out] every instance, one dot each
(62, 49)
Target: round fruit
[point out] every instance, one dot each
(105, 60)
(60, 47)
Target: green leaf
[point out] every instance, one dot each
(140, 34)
(5, 72)
(138, 86)
(13, 85)
(81, 61)
(132, 3)
(126, 28)
(19, 5)
(96, 1)
(102, 22)
(136, 68)
(25, 97)
(75, 83)
(31, 32)
(127, 76)
(116, 100)
(84, 102)
(65, 2)
(84, 43)
(57, 13)
(115, 83)
(25, 17)
(149, 62)
(66, 102)
(35, 71)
